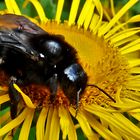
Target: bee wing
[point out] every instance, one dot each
(11, 40)
(20, 23)
(16, 32)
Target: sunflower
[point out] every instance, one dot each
(108, 49)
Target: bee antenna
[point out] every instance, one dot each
(92, 85)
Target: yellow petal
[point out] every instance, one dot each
(94, 22)
(104, 132)
(4, 98)
(4, 117)
(14, 123)
(89, 16)
(125, 41)
(73, 11)
(135, 113)
(135, 18)
(117, 97)
(132, 46)
(100, 11)
(118, 121)
(134, 63)
(118, 27)
(124, 107)
(38, 8)
(124, 34)
(53, 125)
(12, 7)
(114, 30)
(116, 133)
(99, 108)
(59, 10)
(41, 124)
(48, 124)
(8, 137)
(66, 124)
(135, 70)
(26, 99)
(24, 133)
(84, 13)
(131, 129)
(112, 7)
(72, 132)
(135, 83)
(118, 16)
(83, 124)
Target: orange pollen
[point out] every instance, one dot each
(41, 96)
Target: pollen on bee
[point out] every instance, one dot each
(41, 96)
(61, 98)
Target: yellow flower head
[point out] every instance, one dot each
(108, 49)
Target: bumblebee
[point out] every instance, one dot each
(30, 55)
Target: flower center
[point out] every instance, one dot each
(103, 63)
(110, 73)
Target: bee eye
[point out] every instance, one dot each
(76, 74)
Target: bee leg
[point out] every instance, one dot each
(14, 99)
(53, 83)
(77, 101)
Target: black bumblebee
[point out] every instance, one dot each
(29, 55)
